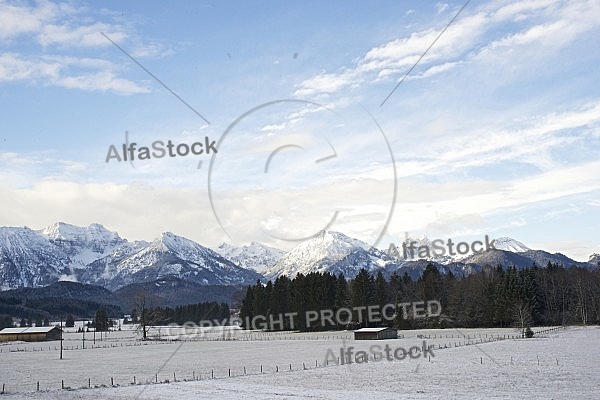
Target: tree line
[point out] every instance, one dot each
(146, 316)
(209, 311)
(494, 297)
(35, 309)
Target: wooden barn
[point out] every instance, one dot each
(30, 334)
(375, 334)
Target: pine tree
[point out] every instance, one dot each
(381, 290)
(280, 300)
(342, 298)
(101, 320)
(247, 310)
(362, 294)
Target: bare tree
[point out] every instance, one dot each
(141, 306)
(583, 294)
(522, 315)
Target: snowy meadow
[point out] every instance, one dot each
(467, 364)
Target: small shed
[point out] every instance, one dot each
(375, 333)
(30, 334)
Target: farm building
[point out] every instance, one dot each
(375, 333)
(30, 334)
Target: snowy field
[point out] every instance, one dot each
(560, 364)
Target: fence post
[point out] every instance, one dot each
(112, 382)
(62, 383)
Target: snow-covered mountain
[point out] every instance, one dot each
(331, 252)
(508, 244)
(336, 253)
(404, 253)
(169, 255)
(502, 243)
(83, 245)
(28, 259)
(96, 255)
(255, 256)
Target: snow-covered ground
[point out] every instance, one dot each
(562, 364)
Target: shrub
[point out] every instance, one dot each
(528, 333)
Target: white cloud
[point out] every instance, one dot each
(399, 55)
(441, 7)
(147, 50)
(101, 81)
(146, 211)
(69, 72)
(80, 36)
(557, 24)
(17, 19)
(60, 27)
(527, 142)
(273, 127)
(521, 10)
(54, 24)
(326, 83)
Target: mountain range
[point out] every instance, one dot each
(94, 255)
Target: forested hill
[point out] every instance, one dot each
(494, 297)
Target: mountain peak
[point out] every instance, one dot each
(255, 256)
(64, 231)
(510, 244)
(328, 251)
(175, 242)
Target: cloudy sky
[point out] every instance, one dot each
(495, 131)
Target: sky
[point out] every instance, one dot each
(369, 118)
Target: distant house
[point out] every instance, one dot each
(30, 334)
(375, 334)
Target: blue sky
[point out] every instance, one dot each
(495, 131)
